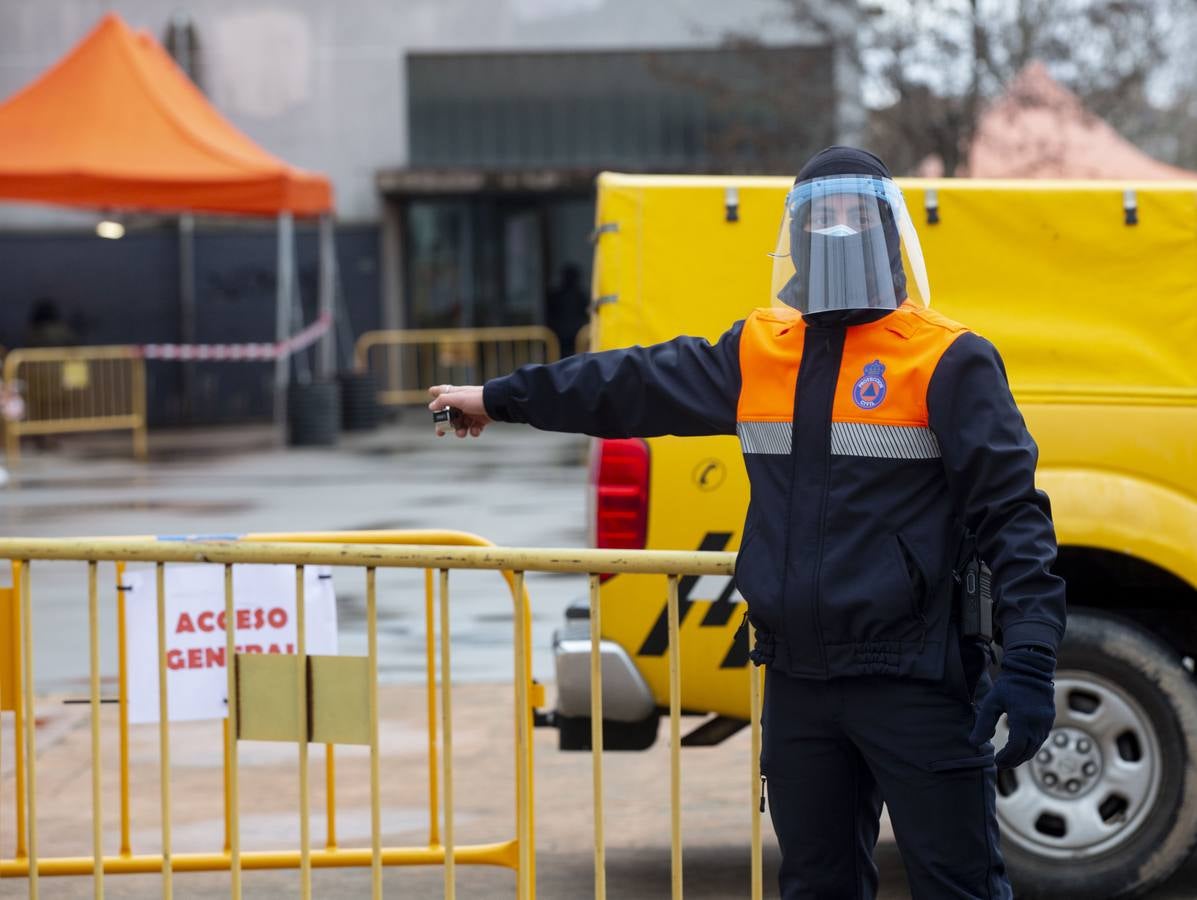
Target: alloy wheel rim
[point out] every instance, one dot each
(1091, 786)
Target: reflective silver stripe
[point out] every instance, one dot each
(764, 437)
(883, 441)
(847, 439)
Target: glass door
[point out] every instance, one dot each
(439, 263)
(523, 238)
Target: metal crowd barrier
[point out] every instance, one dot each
(72, 389)
(433, 552)
(406, 361)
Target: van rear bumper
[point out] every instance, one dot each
(630, 715)
(626, 695)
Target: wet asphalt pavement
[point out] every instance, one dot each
(515, 487)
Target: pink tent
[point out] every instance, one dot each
(1040, 129)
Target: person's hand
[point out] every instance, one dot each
(466, 398)
(1025, 693)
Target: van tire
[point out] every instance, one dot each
(1111, 650)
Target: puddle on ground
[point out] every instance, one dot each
(50, 511)
(88, 482)
(385, 525)
(175, 478)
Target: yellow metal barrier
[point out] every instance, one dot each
(406, 361)
(369, 550)
(584, 339)
(73, 389)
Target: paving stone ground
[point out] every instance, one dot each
(717, 792)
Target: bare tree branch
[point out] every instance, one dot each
(931, 66)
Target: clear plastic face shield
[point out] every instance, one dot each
(847, 243)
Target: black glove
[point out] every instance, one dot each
(1025, 693)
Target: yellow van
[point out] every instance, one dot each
(1090, 293)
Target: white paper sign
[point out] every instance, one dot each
(196, 682)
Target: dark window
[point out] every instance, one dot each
(498, 260)
(735, 109)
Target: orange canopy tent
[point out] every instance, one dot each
(116, 124)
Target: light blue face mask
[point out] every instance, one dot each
(836, 231)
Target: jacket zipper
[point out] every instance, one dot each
(817, 593)
(762, 792)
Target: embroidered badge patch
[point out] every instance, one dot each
(869, 390)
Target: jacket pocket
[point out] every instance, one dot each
(758, 600)
(966, 762)
(755, 576)
(916, 574)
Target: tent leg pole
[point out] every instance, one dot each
(187, 310)
(326, 359)
(283, 300)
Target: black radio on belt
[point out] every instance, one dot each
(976, 599)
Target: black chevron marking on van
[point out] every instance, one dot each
(657, 641)
(719, 612)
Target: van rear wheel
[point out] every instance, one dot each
(1108, 807)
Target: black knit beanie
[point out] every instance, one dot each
(839, 160)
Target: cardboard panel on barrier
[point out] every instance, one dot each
(264, 598)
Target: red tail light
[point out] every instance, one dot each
(619, 476)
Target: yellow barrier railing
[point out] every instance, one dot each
(406, 361)
(368, 550)
(72, 389)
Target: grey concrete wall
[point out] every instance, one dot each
(322, 83)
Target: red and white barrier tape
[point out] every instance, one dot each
(240, 352)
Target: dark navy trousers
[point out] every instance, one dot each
(833, 751)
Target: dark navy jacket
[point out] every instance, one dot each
(870, 448)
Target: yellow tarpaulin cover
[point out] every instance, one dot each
(1096, 320)
(1075, 299)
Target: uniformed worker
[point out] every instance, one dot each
(880, 438)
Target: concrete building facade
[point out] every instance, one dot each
(461, 138)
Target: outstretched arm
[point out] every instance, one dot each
(686, 386)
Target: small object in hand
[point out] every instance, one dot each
(447, 420)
